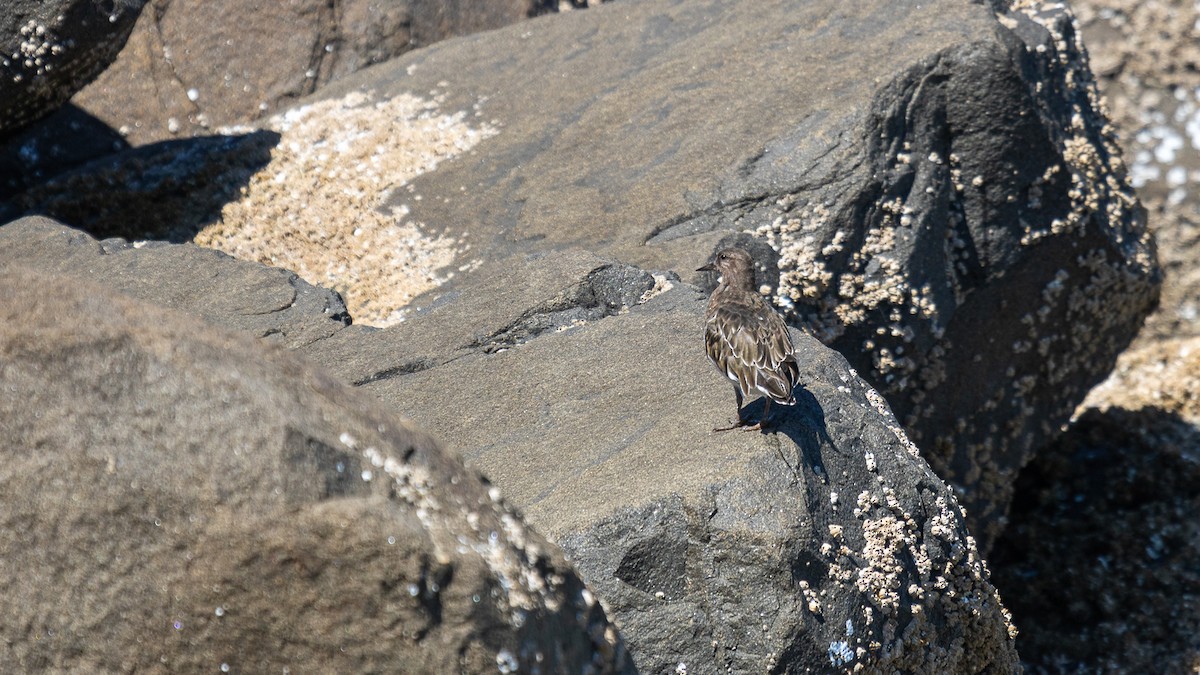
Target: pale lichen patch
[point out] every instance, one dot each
(315, 208)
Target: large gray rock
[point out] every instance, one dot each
(179, 499)
(952, 217)
(50, 49)
(581, 388)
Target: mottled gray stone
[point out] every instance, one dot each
(943, 198)
(785, 551)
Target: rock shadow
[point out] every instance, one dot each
(165, 191)
(1103, 547)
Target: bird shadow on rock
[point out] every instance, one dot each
(803, 424)
(166, 191)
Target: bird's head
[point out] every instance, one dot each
(735, 266)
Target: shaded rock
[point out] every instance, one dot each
(179, 499)
(181, 74)
(162, 191)
(954, 218)
(1101, 561)
(263, 301)
(825, 545)
(62, 141)
(50, 50)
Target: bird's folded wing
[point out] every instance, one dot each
(753, 348)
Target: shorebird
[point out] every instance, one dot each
(746, 339)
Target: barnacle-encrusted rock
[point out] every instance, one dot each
(953, 218)
(995, 264)
(826, 544)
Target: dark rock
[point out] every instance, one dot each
(179, 499)
(62, 141)
(265, 302)
(1101, 559)
(953, 218)
(182, 74)
(50, 49)
(744, 552)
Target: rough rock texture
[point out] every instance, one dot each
(177, 499)
(1101, 561)
(265, 302)
(580, 387)
(50, 49)
(182, 74)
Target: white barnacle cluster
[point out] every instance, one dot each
(911, 574)
(35, 52)
(811, 600)
(803, 276)
(1098, 186)
(491, 531)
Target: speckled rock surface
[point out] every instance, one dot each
(954, 219)
(827, 545)
(182, 75)
(1101, 562)
(50, 49)
(178, 499)
(264, 302)
(1147, 60)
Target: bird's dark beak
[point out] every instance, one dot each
(707, 268)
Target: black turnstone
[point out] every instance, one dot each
(746, 339)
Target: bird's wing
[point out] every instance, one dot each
(751, 345)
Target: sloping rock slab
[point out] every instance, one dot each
(945, 200)
(264, 301)
(50, 49)
(181, 74)
(177, 499)
(826, 545)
